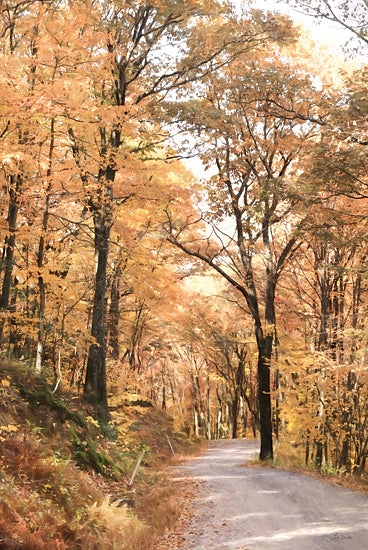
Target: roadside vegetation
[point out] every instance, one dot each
(65, 476)
(289, 457)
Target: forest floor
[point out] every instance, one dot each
(237, 506)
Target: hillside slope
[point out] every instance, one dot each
(64, 475)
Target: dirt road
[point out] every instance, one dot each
(256, 508)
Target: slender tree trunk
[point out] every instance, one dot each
(219, 413)
(114, 317)
(196, 403)
(307, 450)
(41, 325)
(320, 426)
(243, 415)
(40, 259)
(228, 416)
(237, 396)
(196, 422)
(208, 411)
(135, 359)
(163, 403)
(234, 414)
(14, 191)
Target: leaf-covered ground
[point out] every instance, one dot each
(64, 475)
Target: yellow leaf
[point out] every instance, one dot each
(11, 428)
(5, 383)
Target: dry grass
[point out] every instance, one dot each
(47, 502)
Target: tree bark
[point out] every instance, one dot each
(40, 258)
(15, 183)
(114, 317)
(208, 411)
(95, 382)
(238, 387)
(264, 396)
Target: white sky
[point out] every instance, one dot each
(324, 31)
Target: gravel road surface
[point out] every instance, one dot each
(257, 508)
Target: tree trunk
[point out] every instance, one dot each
(238, 389)
(320, 426)
(208, 412)
(307, 450)
(219, 429)
(14, 191)
(114, 313)
(234, 414)
(41, 325)
(114, 317)
(264, 396)
(40, 258)
(95, 382)
(196, 423)
(229, 420)
(243, 415)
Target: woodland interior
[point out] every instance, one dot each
(183, 216)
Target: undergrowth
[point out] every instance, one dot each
(64, 473)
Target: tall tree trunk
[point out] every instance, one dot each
(219, 429)
(264, 396)
(243, 415)
(40, 258)
(41, 324)
(238, 387)
(208, 411)
(15, 183)
(114, 314)
(265, 343)
(320, 425)
(196, 422)
(234, 414)
(163, 402)
(95, 382)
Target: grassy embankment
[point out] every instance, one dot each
(64, 476)
(291, 458)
